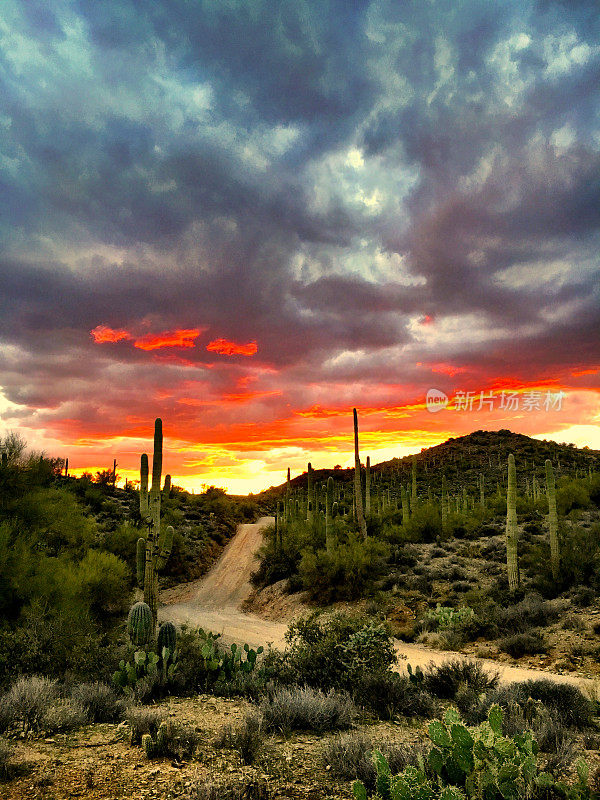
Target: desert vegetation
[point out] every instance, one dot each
(463, 543)
(426, 548)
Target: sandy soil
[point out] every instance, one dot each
(214, 602)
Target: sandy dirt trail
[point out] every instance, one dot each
(214, 601)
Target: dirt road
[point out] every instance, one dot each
(214, 601)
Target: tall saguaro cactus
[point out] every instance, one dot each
(552, 519)
(310, 503)
(329, 504)
(358, 501)
(368, 487)
(154, 551)
(512, 563)
(413, 495)
(444, 505)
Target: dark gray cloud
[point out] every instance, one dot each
(318, 177)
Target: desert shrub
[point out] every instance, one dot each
(566, 701)
(571, 494)
(347, 573)
(387, 693)
(308, 710)
(349, 755)
(63, 715)
(143, 720)
(333, 650)
(174, 740)
(424, 524)
(445, 679)
(99, 701)
(531, 612)
(27, 702)
(6, 749)
(247, 737)
(521, 644)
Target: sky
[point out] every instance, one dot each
(247, 217)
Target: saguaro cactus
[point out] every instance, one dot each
(358, 501)
(329, 543)
(310, 502)
(444, 505)
(368, 487)
(154, 551)
(552, 519)
(413, 496)
(481, 490)
(512, 563)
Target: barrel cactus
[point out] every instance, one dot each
(140, 625)
(167, 637)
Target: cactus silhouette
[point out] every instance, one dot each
(358, 501)
(155, 550)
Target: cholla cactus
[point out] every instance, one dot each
(552, 520)
(512, 563)
(154, 551)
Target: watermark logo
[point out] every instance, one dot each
(436, 400)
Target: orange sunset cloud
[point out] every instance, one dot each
(226, 348)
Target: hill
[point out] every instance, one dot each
(462, 460)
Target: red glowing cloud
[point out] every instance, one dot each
(226, 348)
(102, 334)
(177, 338)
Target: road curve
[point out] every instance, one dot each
(214, 601)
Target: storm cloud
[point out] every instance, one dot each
(352, 200)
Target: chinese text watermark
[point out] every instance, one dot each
(437, 400)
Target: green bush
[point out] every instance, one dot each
(332, 650)
(347, 573)
(444, 680)
(386, 694)
(523, 644)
